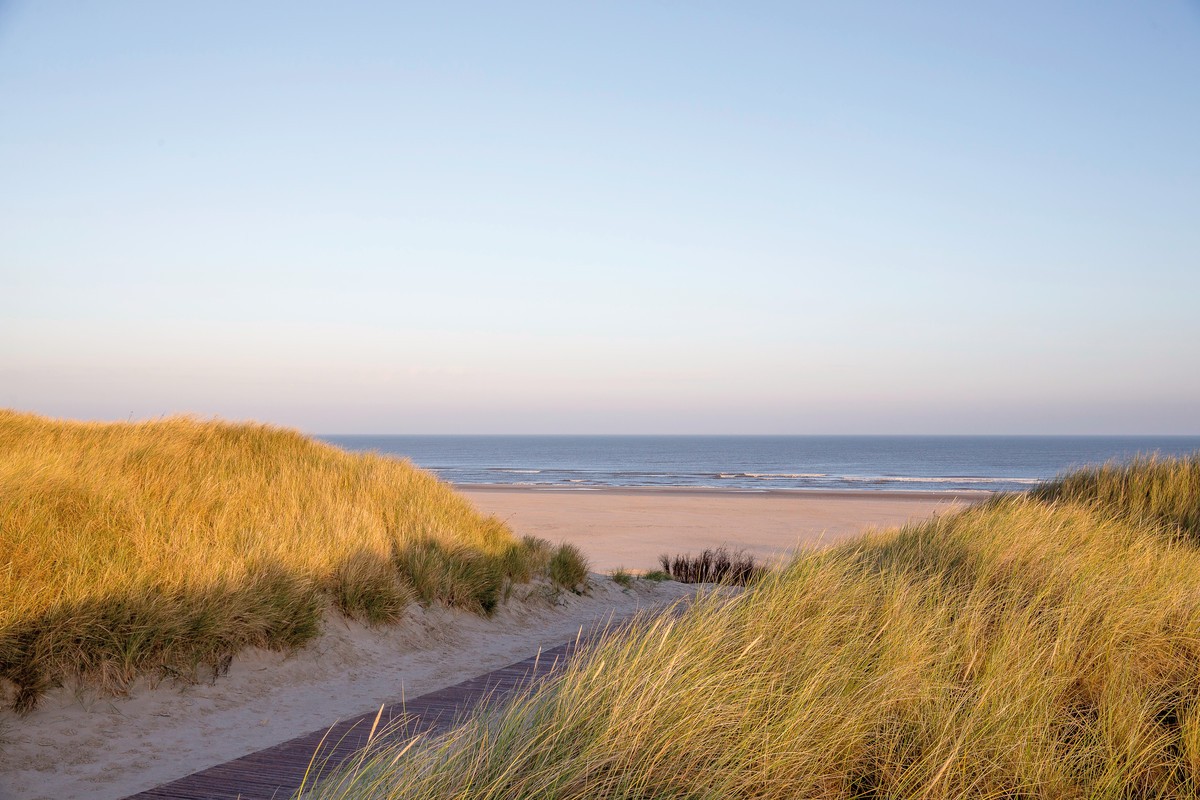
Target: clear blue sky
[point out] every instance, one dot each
(604, 217)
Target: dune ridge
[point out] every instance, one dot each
(165, 547)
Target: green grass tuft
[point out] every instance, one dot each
(622, 577)
(568, 567)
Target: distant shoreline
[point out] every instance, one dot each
(811, 494)
(771, 466)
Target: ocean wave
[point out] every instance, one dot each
(771, 476)
(949, 479)
(730, 480)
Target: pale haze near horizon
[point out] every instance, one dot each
(604, 218)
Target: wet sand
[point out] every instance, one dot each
(630, 527)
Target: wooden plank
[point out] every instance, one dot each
(276, 772)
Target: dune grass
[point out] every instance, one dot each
(1024, 648)
(622, 577)
(713, 565)
(568, 567)
(1148, 490)
(160, 548)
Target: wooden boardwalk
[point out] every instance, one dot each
(277, 772)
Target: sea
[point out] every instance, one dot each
(763, 463)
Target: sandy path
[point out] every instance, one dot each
(78, 745)
(630, 528)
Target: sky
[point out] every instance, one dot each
(653, 217)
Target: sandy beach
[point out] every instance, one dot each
(630, 528)
(80, 745)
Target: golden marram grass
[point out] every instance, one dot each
(1043, 646)
(159, 547)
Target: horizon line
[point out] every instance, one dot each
(838, 435)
